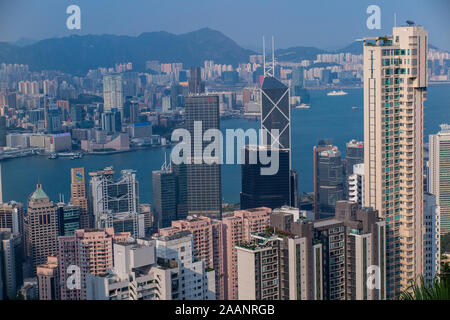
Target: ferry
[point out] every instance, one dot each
(337, 93)
(303, 106)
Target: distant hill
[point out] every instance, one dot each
(78, 54)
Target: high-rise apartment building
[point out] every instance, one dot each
(195, 282)
(115, 204)
(327, 259)
(204, 192)
(138, 274)
(395, 86)
(237, 228)
(208, 240)
(78, 196)
(439, 173)
(113, 92)
(43, 228)
(90, 251)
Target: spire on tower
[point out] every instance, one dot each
(269, 67)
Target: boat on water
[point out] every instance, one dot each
(303, 106)
(355, 108)
(53, 156)
(337, 93)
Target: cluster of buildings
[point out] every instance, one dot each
(372, 226)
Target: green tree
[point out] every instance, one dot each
(424, 290)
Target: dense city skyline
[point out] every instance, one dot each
(337, 186)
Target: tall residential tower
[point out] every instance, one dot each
(395, 86)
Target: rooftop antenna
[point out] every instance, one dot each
(269, 67)
(273, 54)
(264, 55)
(395, 19)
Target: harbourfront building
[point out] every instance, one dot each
(113, 92)
(395, 88)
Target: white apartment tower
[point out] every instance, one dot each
(439, 174)
(395, 86)
(113, 92)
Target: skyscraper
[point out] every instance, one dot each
(203, 179)
(280, 188)
(79, 198)
(439, 174)
(69, 219)
(43, 228)
(196, 85)
(115, 204)
(276, 112)
(11, 259)
(113, 92)
(259, 190)
(354, 154)
(328, 178)
(164, 196)
(395, 85)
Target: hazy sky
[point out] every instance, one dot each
(322, 23)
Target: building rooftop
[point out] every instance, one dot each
(39, 193)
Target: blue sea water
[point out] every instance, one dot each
(329, 117)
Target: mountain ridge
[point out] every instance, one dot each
(91, 51)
